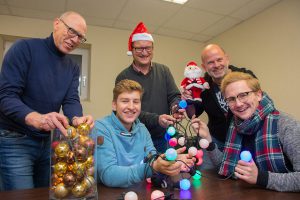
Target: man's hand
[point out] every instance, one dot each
(178, 114)
(169, 168)
(76, 121)
(246, 171)
(201, 128)
(186, 160)
(186, 94)
(165, 120)
(47, 122)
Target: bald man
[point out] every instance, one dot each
(216, 63)
(36, 81)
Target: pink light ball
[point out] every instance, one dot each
(173, 142)
(157, 195)
(148, 180)
(199, 154)
(203, 143)
(200, 161)
(192, 151)
(181, 141)
(131, 196)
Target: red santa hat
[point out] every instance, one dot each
(139, 33)
(192, 63)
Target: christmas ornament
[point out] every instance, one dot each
(194, 82)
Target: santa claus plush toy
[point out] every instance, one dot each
(193, 81)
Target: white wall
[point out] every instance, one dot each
(269, 44)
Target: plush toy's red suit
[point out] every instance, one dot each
(193, 81)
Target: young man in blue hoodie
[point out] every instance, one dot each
(124, 142)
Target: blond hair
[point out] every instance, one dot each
(126, 85)
(232, 77)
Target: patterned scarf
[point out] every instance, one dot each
(263, 123)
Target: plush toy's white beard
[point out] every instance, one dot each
(194, 72)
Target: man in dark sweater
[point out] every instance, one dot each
(160, 90)
(37, 79)
(216, 63)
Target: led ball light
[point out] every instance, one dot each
(185, 184)
(200, 161)
(167, 137)
(173, 142)
(199, 154)
(171, 154)
(182, 104)
(203, 143)
(246, 156)
(181, 141)
(157, 195)
(192, 151)
(198, 175)
(131, 196)
(148, 180)
(171, 131)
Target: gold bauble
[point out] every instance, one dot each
(79, 190)
(62, 149)
(81, 154)
(71, 132)
(89, 162)
(82, 139)
(79, 168)
(70, 157)
(90, 171)
(89, 144)
(60, 168)
(60, 191)
(69, 179)
(55, 180)
(83, 129)
(89, 181)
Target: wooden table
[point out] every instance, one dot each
(210, 188)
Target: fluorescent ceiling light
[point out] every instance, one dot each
(177, 1)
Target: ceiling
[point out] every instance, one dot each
(197, 20)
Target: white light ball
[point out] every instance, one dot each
(157, 195)
(203, 143)
(131, 196)
(181, 141)
(192, 151)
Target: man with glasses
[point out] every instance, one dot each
(36, 81)
(272, 137)
(160, 91)
(216, 63)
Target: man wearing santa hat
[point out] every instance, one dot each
(160, 91)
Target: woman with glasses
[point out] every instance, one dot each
(272, 137)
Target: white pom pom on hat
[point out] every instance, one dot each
(139, 33)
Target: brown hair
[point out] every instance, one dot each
(232, 77)
(126, 85)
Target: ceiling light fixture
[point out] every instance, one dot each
(177, 1)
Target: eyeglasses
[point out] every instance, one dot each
(141, 49)
(72, 32)
(242, 97)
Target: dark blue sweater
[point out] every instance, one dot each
(35, 76)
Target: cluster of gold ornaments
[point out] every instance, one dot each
(73, 164)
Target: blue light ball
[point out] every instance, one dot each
(171, 154)
(167, 137)
(246, 156)
(185, 184)
(171, 130)
(182, 104)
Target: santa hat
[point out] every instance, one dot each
(192, 63)
(139, 33)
